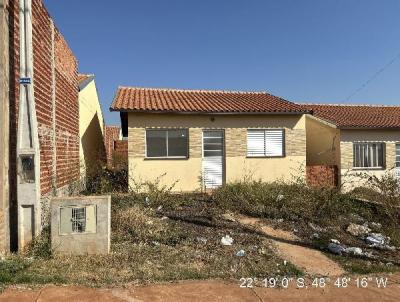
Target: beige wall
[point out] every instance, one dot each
(323, 143)
(91, 127)
(327, 145)
(351, 177)
(186, 173)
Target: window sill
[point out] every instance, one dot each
(278, 156)
(166, 158)
(368, 168)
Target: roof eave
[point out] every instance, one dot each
(210, 112)
(367, 128)
(82, 85)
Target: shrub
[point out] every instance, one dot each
(291, 201)
(384, 194)
(106, 180)
(40, 247)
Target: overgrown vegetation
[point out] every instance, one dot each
(161, 236)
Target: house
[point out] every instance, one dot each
(361, 140)
(198, 139)
(92, 152)
(39, 119)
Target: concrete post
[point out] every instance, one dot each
(4, 129)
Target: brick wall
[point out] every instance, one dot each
(67, 112)
(53, 76)
(322, 176)
(121, 149)
(42, 69)
(111, 134)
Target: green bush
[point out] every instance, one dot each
(292, 201)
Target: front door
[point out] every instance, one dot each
(213, 158)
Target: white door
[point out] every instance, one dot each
(213, 158)
(397, 168)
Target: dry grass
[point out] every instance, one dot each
(149, 248)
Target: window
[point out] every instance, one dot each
(397, 155)
(368, 155)
(78, 220)
(265, 143)
(167, 143)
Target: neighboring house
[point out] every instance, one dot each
(112, 137)
(193, 139)
(39, 118)
(358, 139)
(91, 125)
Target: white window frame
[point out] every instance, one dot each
(265, 143)
(166, 157)
(375, 165)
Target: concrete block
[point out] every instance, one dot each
(81, 225)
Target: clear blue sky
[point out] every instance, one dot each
(304, 51)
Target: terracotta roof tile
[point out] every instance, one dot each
(358, 116)
(82, 78)
(200, 101)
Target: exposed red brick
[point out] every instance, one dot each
(322, 176)
(111, 135)
(67, 105)
(121, 148)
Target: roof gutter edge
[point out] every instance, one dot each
(210, 113)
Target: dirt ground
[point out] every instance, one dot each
(311, 261)
(213, 290)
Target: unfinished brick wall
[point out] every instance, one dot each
(111, 134)
(121, 148)
(42, 68)
(67, 113)
(322, 176)
(56, 99)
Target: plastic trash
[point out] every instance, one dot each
(202, 240)
(354, 251)
(227, 240)
(336, 248)
(376, 239)
(315, 236)
(241, 253)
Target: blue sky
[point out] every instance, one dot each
(304, 51)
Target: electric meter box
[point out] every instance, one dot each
(81, 225)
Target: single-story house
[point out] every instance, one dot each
(92, 151)
(193, 139)
(361, 140)
(197, 139)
